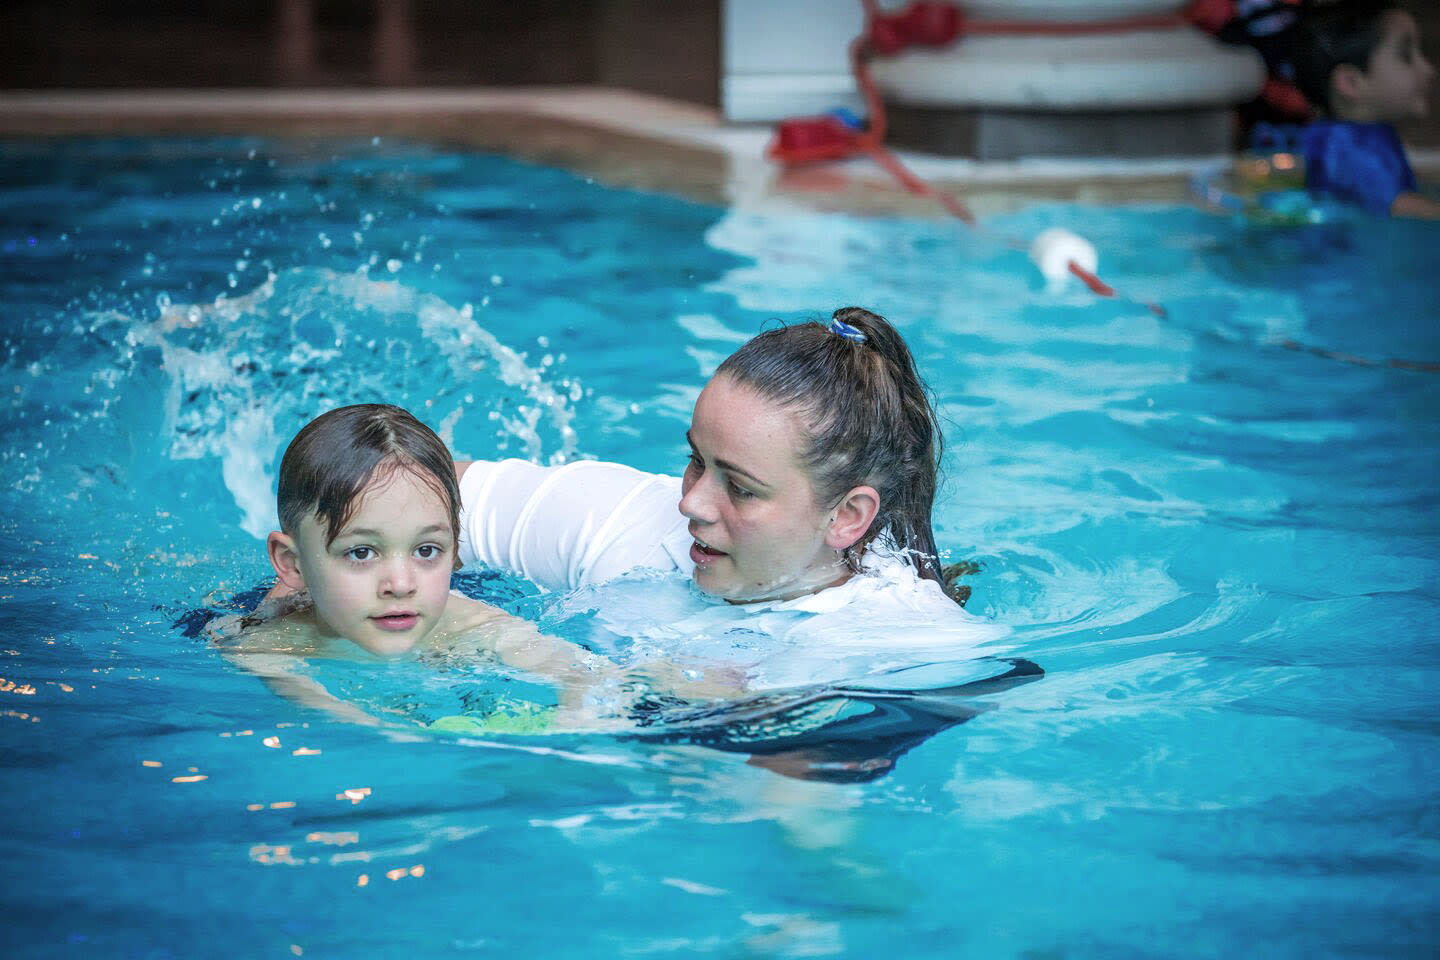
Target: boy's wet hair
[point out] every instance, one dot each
(1332, 35)
(338, 454)
(866, 415)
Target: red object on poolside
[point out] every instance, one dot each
(1287, 98)
(1210, 15)
(803, 140)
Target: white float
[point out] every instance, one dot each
(1164, 68)
(1055, 249)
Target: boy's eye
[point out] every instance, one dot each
(428, 551)
(360, 554)
(693, 462)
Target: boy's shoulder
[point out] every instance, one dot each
(294, 633)
(463, 613)
(1346, 135)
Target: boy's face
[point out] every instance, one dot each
(1397, 84)
(382, 583)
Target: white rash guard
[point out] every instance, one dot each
(574, 525)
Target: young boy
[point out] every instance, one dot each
(1359, 63)
(368, 507)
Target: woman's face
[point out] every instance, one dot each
(759, 534)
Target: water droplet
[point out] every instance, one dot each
(393, 265)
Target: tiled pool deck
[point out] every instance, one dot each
(619, 137)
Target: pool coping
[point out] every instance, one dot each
(620, 137)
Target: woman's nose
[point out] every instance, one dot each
(697, 504)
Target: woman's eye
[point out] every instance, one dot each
(693, 462)
(360, 554)
(740, 493)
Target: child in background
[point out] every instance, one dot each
(368, 506)
(1359, 62)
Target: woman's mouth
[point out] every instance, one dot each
(701, 552)
(397, 622)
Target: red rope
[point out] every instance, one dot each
(1118, 25)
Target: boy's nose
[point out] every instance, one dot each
(398, 579)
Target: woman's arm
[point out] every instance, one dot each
(588, 686)
(568, 526)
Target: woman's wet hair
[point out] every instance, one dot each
(867, 419)
(336, 456)
(1331, 35)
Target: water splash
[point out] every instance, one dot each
(245, 373)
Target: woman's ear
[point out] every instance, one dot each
(285, 559)
(851, 518)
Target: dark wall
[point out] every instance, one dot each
(671, 48)
(1426, 133)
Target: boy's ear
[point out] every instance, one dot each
(852, 517)
(285, 558)
(1348, 82)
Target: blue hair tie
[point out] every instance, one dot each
(844, 329)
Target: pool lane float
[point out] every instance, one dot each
(1059, 254)
(523, 719)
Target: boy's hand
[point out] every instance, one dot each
(1415, 205)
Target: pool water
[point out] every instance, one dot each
(1222, 551)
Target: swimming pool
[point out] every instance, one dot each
(1223, 553)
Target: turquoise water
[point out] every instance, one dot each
(1222, 551)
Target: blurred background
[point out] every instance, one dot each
(740, 57)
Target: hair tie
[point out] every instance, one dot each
(844, 329)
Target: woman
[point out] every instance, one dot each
(806, 501)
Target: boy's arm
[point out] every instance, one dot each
(1417, 205)
(277, 671)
